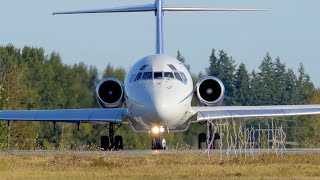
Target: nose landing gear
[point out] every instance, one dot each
(158, 143)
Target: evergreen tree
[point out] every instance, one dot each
(267, 76)
(227, 75)
(290, 88)
(256, 86)
(304, 85)
(182, 60)
(214, 67)
(242, 86)
(279, 82)
(224, 69)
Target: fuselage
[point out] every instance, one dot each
(159, 91)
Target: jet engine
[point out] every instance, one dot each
(209, 91)
(110, 93)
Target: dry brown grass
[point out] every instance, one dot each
(163, 166)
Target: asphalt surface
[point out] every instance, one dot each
(157, 152)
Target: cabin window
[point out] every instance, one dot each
(168, 74)
(147, 75)
(172, 67)
(158, 75)
(138, 76)
(177, 75)
(132, 77)
(143, 67)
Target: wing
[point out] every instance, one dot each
(115, 115)
(236, 112)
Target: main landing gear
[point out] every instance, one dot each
(203, 142)
(112, 142)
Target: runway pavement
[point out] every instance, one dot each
(157, 152)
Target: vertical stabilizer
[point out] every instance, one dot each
(159, 26)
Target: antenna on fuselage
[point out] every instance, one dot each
(159, 9)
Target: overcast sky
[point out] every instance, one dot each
(289, 29)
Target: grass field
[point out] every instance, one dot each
(164, 166)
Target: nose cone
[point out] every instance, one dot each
(158, 107)
(167, 110)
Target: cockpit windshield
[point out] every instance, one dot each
(138, 76)
(184, 78)
(132, 77)
(158, 75)
(147, 75)
(172, 67)
(177, 75)
(143, 67)
(168, 75)
(142, 75)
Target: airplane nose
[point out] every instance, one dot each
(168, 111)
(159, 105)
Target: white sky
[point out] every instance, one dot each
(289, 29)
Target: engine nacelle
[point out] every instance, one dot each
(209, 91)
(110, 93)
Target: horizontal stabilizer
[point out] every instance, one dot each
(142, 8)
(207, 9)
(158, 8)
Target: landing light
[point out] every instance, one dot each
(157, 130)
(161, 129)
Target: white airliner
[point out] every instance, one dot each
(156, 95)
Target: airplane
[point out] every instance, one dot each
(156, 95)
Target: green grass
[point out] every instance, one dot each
(164, 166)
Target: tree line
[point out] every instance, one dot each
(31, 79)
(272, 84)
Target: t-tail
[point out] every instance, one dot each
(158, 8)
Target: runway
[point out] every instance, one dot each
(158, 152)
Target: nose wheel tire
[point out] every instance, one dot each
(158, 143)
(164, 144)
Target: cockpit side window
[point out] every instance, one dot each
(168, 75)
(132, 77)
(184, 78)
(172, 67)
(143, 67)
(147, 75)
(138, 76)
(158, 75)
(177, 75)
